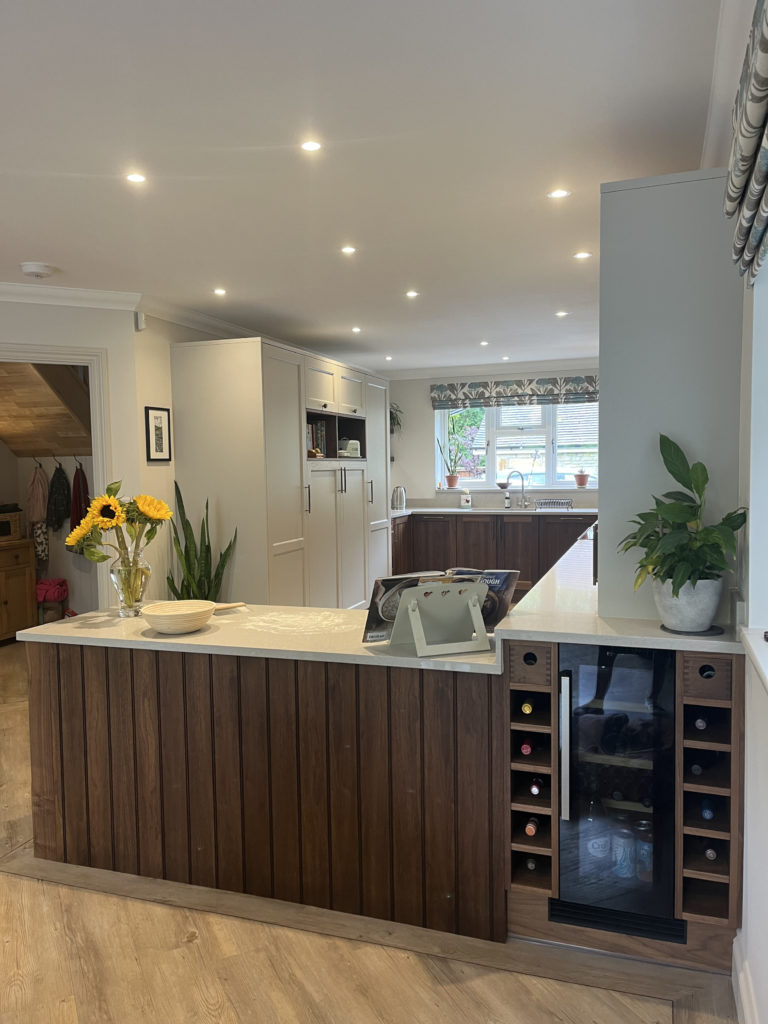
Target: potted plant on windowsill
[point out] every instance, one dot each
(454, 457)
(581, 477)
(684, 559)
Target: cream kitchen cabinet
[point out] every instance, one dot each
(331, 387)
(336, 527)
(238, 411)
(18, 605)
(379, 543)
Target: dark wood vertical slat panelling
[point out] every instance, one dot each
(148, 787)
(45, 748)
(99, 778)
(286, 809)
(375, 830)
(226, 745)
(257, 826)
(407, 811)
(501, 796)
(123, 753)
(345, 821)
(440, 803)
(313, 754)
(202, 809)
(73, 754)
(173, 760)
(472, 807)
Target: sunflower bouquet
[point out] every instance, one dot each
(126, 526)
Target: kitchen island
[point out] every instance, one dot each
(273, 753)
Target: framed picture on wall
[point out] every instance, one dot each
(157, 424)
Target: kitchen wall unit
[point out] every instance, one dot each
(241, 410)
(18, 604)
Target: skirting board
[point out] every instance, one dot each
(743, 992)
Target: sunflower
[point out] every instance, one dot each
(106, 512)
(152, 508)
(81, 531)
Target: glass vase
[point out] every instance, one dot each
(130, 577)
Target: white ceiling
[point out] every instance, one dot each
(444, 124)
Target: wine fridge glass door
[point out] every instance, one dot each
(616, 827)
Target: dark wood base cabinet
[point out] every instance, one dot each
(374, 791)
(531, 542)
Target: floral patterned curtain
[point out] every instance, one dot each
(745, 193)
(527, 391)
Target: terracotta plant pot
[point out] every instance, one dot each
(581, 479)
(451, 480)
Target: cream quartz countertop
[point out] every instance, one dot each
(562, 607)
(261, 631)
(440, 511)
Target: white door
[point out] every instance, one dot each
(350, 389)
(319, 385)
(284, 454)
(353, 538)
(377, 451)
(322, 535)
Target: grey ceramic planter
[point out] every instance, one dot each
(693, 611)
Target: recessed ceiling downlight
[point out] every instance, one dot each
(582, 255)
(33, 268)
(355, 330)
(561, 313)
(136, 178)
(411, 294)
(348, 250)
(311, 146)
(219, 291)
(483, 342)
(559, 193)
(388, 358)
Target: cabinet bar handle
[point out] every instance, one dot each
(371, 485)
(565, 746)
(341, 481)
(309, 499)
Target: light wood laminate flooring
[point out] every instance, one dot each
(71, 955)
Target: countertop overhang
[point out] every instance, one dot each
(437, 510)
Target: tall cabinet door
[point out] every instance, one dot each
(353, 581)
(284, 449)
(377, 495)
(323, 495)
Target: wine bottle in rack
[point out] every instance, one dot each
(707, 810)
(710, 853)
(526, 707)
(530, 863)
(536, 786)
(701, 723)
(528, 747)
(532, 826)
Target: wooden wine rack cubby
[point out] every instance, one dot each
(530, 669)
(709, 767)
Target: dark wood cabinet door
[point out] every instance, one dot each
(518, 548)
(557, 534)
(433, 542)
(401, 537)
(476, 541)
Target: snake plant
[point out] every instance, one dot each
(195, 559)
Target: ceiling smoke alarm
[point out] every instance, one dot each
(32, 268)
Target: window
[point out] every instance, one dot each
(546, 443)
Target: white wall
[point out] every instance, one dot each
(137, 374)
(413, 447)
(9, 469)
(670, 349)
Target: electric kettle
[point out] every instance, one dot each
(398, 499)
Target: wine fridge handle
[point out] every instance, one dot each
(565, 746)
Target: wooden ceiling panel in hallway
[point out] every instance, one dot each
(44, 410)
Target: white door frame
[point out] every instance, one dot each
(96, 361)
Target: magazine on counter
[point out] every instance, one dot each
(388, 591)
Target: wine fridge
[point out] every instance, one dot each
(617, 793)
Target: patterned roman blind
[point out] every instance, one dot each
(526, 391)
(745, 192)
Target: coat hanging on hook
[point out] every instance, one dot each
(59, 498)
(80, 498)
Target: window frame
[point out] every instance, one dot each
(493, 431)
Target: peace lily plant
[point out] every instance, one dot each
(681, 555)
(126, 525)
